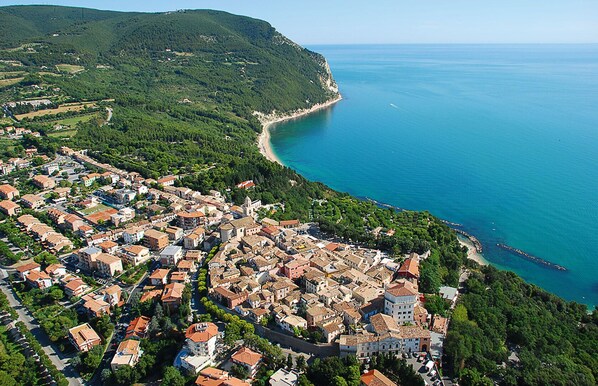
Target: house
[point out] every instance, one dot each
(39, 279)
(190, 220)
(399, 301)
(174, 233)
(409, 269)
(138, 328)
(127, 354)
(194, 239)
(95, 305)
(246, 184)
(155, 240)
(172, 296)
(179, 277)
(159, 277)
(284, 377)
(32, 201)
(167, 181)
(292, 323)
(50, 168)
(210, 376)
(136, 254)
(186, 266)
(83, 337)
(295, 268)
(108, 246)
(43, 182)
(375, 378)
(75, 287)
(112, 295)
(56, 270)
(8, 192)
(287, 224)
(317, 314)
(200, 340)
(449, 293)
(88, 256)
(10, 208)
(151, 295)
(133, 235)
(236, 229)
(247, 358)
(229, 298)
(108, 265)
(171, 255)
(25, 269)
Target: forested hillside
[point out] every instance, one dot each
(183, 87)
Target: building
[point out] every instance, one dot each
(50, 168)
(136, 254)
(133, 235)
(25, 269)
(167, 181)
(180, 277)
(194, 239)
(171, 255)
(155, 240)
(88, 256)
(138, 328)
(172, 296)
(201, 339)
(409, 269)
(83, 337)
(375, 378)
(108, 265)
(8, 192)
(32, 201)
(399, 301)
(39, 279)
(250, 208)
(174, 233)
(127, 354)
(247, 358)
(95, 305)
(43, 182)
(10, 208)
(190, 220)
(216, 377)
(295, 268)
(75, 287)
(238, 229)
(159, 277)
(385, 337)
(284, 377)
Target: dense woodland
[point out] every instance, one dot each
(184, 86)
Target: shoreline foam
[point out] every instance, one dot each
(472, 253)
(268, 120)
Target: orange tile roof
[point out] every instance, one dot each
(411, 267)
(27, 267)
(403, 288)
(247, 356)
(201, 332)
(376, 378)
(137, 327)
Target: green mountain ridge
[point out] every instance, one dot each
(183, 87)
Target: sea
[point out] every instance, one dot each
(502, 139)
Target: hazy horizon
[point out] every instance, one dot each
(396, 22)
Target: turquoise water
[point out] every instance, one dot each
(502, 139)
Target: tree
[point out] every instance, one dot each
(172, 377)
(93, 358)
(289, 361)
(300, 363)
(56, 294)
(339, 381)
(240, 372)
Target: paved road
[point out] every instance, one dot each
(58, 359)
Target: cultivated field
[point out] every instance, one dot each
(69, 68)
(60, 109)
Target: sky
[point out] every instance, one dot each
(312, 22)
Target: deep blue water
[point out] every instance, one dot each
(502, 139)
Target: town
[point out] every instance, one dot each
(110, 244)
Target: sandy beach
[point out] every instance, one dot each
(471, 251)
(268, 120)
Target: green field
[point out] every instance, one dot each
(63, 133)
(95, 209)
(69, 68)
(72, 121)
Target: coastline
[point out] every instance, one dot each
(267, 120)
(472, 252)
